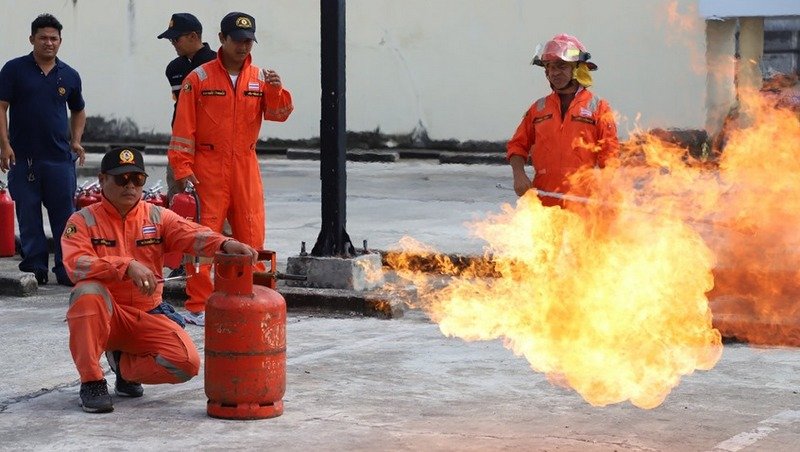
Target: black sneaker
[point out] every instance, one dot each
(122, 387)
(41, 277)
(95, 397)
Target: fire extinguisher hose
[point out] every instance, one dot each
(197, 218)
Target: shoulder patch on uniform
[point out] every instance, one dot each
(70, 230)
(187, 87)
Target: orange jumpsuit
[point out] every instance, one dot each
(107, 311)
(585, 137)
(214, 137)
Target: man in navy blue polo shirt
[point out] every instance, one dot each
(39, 145)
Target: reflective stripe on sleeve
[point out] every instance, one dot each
(181, 140)
(155, 214)
(177, 147)
(88, 217)
(82, 267)
(200, 242)
(201, 73)
(594, 102)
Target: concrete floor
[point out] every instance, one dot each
(366, 384)
(369, 384)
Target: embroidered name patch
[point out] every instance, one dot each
(582, 119)
(213, 92)
(146, 242)
(542, 118)
(103, 242)
(253, 93)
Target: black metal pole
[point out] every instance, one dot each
(333, 239)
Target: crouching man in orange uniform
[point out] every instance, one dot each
(113, 251)
(213, 145)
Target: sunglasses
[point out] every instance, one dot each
(138, 179)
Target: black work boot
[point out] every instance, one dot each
(95, 397)
(122, 387)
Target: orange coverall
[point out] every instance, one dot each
(107, 311)
(214, 137)
(585, 137)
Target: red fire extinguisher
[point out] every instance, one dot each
(153, 195)
(7, 248)
(87, 194)
(186, 205)
(245, 343)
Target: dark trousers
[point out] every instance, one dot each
(53, 186)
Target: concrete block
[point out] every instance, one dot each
(369, 304)
(471, 158)
(373, 156)
(302, 154)
(357, 155)
(358, 273)
(88, 171)
(18, 284)
(156, 149)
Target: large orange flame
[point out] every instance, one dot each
(757, 285)
(610, 303)
(608, 296)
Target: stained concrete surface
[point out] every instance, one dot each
(367, 384)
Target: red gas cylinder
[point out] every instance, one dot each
(6, 223)
(245, 344)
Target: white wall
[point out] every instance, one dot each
(458, 67)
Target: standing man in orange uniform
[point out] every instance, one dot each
(217, 123)
(114, 251)
(565, 131)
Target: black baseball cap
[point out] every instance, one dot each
(181, 24)
(239, 26)
(121, 161)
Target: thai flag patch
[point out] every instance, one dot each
(252, 86)
(148, 229)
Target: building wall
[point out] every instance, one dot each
(459, 69)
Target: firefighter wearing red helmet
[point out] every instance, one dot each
(567, 130)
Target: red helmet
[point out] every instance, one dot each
(563, 47)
